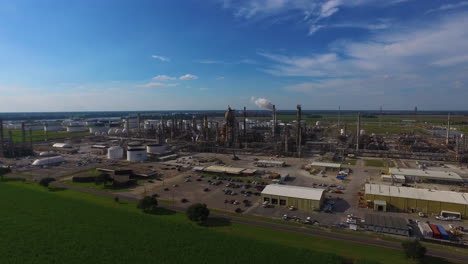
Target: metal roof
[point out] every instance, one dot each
(419, 194)
(278, 162)
(293, 191)
(429, 174)
(223, 169)
(386, 221)
(326, 164)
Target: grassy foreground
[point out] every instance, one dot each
(65, 226)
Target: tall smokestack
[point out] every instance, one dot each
(358, 132)
(1, 137)
(23, 134)
(299, 131)
(245, 126)
(448, 130)
(274, 121)
(139, 124)
(339, 116)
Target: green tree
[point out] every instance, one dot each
(148, 204)
(414, 250)
(3, 171)
(102, 178)
(46, 181)
(198, 213)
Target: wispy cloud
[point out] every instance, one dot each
(163, 78)
(448, 7)
(188, 77)
(203, 89)
(390, 62)
(220, 78)
(157, 85)
(310, 12)
(241, 61)
(161, 58)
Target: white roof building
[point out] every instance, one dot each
(427, 174)
(48, 161)
(326, 164)
(273, 163)
(419, 194)
(294, 191)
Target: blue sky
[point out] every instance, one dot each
(84, 55)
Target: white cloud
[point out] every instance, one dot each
(163, 78)
(203, 89)
(188, 77)
(220, 78)
(309, 12)
(161, 58)
(242, 61)
(451, 61)
(448, 7)
(157, 85)
(396, 64)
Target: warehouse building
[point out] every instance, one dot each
(270, 163)
(216, 169)
(386, 224)
(328, 166)
(406, 199)
(418, 175)
(302, 198)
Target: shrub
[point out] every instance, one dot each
(148, 204)
(414, 250)
(198, 213)
(46, 181)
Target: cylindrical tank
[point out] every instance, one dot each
(136, 152)
(362, 132)
(156, 148)
(115, 153)
(342, 131)
(317, 123)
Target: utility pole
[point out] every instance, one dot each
(358, 132)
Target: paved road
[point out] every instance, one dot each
(302, 230)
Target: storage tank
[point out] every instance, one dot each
(136, 153)
(362, 132)
(342, 131)
(156, 148)
(47, 154)
(115, 153)
(61, 145)
(48, 161)
(317, 123)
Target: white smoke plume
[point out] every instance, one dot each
(263, 103)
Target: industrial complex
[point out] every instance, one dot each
(328, 173)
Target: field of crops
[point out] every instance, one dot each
(69, 227)
(39, 135)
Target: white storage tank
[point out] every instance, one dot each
(47, 154)
(156, 148)
(362, 132)
(136, 153)
(61, 145)
(48, 161)
(317, 123)
(115, 153)
(342, 131)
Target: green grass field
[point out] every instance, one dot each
(39, 135)
(379, 163)
(64, 226)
